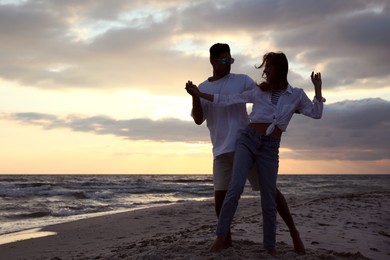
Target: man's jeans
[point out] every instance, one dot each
(264, 151)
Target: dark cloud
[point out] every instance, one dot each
(349, 38)
(349, 130)
(352, 47)
(164, 130)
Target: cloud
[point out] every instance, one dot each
(349, 130)
(136, 44)
(37, 41)
(164, 130)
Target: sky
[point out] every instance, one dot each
(97, 87)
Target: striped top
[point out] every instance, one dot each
(275, 96)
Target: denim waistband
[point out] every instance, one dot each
(253, 131)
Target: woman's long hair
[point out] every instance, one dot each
(280, 62)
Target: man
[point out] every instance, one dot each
(225, 125)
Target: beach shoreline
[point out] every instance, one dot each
(343, 227)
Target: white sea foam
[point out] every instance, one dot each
(29, 201)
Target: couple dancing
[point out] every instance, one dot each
(247, 147)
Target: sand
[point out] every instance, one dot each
(344, 227)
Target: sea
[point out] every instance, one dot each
(32, 201)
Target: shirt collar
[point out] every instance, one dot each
(289, 89)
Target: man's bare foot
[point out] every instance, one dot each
(298, 244)
(218, 245)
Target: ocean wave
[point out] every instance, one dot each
(157, 202)
(80, 211)
(28, 200)
(38, 214)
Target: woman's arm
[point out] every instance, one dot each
(307, 107)
(317, 82)
(223, 100)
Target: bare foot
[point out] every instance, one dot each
(228, 240)
(218, 245)
(298, 244)
(271, 252)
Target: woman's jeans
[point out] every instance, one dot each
(264, 151)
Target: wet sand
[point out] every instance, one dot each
(343, 227)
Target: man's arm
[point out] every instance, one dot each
(197, 111)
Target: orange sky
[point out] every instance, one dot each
(99, 88)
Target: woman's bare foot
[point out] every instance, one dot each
(271, 251)
(298, 244)
(228, 240)
(218, 245)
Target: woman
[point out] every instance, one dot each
(274, 103)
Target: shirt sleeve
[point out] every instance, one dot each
(313, 109)
(249, 83)
(243, 98)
